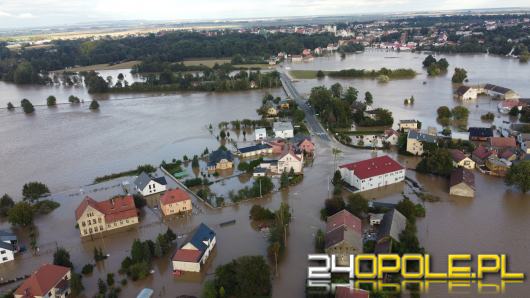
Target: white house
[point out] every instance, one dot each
(146, 185)
(8, 246)
(260, 134)
(391, 136)
(290, 160)
(466, 93)
(372, 173)
(195, 252)
(283, 130)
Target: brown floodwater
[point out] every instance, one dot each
(66, 147)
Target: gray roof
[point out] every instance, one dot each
(422, 137)
(497, 89)
(143, 179)
(7, 236)
(408, 121)
(279, 126)
(7, 246)
(392, 225)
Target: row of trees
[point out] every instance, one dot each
(51, 101)
(29, 65)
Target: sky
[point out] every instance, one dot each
(34, 13)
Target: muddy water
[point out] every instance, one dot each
(68, 146)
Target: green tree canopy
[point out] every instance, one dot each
(27, 106)
(51, 101)
(459, 76)
(519, 175)
(32, 191)
(21, 214)
(61, 257)
(94, 105)
(247, 276)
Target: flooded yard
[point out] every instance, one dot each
(68, 147)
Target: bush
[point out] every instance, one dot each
(27, 106)
(94, 105)
(259, 213)
(87, 269)
(488, 117)
(45, 206)
(51, 101)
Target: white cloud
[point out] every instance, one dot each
(57, 12)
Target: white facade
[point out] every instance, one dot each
(290, 161)
(373, 182)
(260, 134)
(470, 94)
(195, 266)
(392, 139)
(152, 188)
(6, 255)
(283, 130)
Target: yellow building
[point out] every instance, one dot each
(97, 217)
(175, 201)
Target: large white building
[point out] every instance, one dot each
(372, 173)
(283, 130)
(8, 246)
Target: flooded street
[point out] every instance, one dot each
(68, 146)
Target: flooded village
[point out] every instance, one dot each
(211, 166)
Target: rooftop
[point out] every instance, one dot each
(254, 148)
(344, 218)
(218, 155)
(408, 121)
(117, 208)
(457, 155)
(42, 281)
(392, 225)
(462, 90)
(174, 196)
(483, 132)
(143, 180)
(422, 137)
(280, 126)
(500, 142)
(187, 255)
(373, 167)
(497, 89)
(460, 175)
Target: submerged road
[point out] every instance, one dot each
(310, 117)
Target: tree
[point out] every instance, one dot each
(428, 61)
(439, 163)
(284, 180)
(320, 241)
(459, 76)
(514, 112)
(357, 205)
(443, 64)
(32, 191)
(120, 76)
(51, 101)
(27, 106)
(444, 112)
(320, 74)
(333, 205)
(94, 105)
(110, 279)
(258, 212)
(274, 249)
(336, 90)
(6, 203)
(76, 285)
(351, 95)
(209, 290)
(10, 106)
(460, 113)
(73, 99)
(247, 276)
(102, 286)
(61, 257)
(368, 98)
(525, 115)
(140, 252)
(337, 178)
(518, 175)
(25, 74)
(21, 214)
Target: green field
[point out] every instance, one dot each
(206, 62)
(304, 74)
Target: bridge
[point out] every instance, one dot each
(310, 117)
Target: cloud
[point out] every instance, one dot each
(4, 14)
(25, 15)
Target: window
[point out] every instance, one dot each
(94, 221)
(101, 228)
(83, 224)
(84, 231)
(99, 220)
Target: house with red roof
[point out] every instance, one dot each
(48, 281)
(481, 154)
(175, 201)
(94, 218)
(462, 183)
(343, 236)
(194, 253)
(501, 143)
(372, 173)
(461, 160)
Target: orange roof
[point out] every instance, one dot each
(114, 209)
(42, 281)
(174, 196)
(187, 255)
(500, 142)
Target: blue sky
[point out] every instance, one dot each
(30, 13)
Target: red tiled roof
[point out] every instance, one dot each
(457, 155)
(42, 281)
(187, 255)
(373, 167)
(174, 196)
(460, 175)
(482, 152)
(344, 218)
(346, 292)
(114, 209)
(502, 142)
(506, 154)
